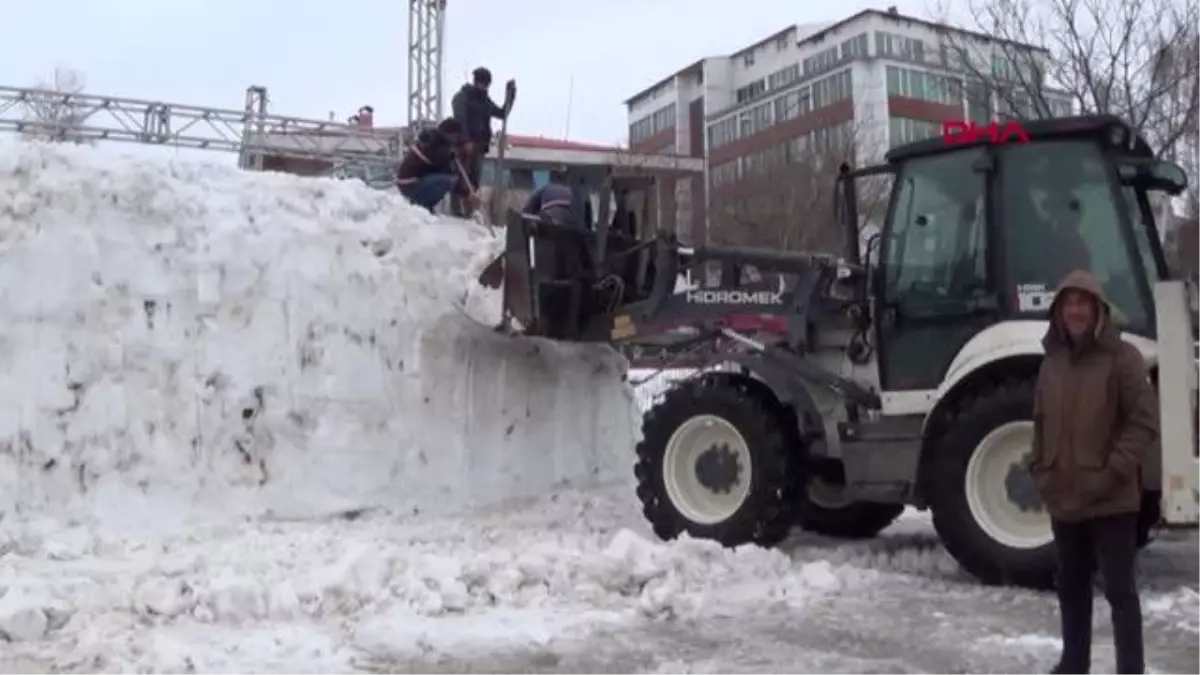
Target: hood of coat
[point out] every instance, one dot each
(1106, 334)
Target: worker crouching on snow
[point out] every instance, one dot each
(1094, 421)
(430, 167)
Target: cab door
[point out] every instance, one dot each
(935, 289)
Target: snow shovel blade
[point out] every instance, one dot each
(493, 275)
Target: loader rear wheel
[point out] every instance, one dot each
(986, 509)
(714, 463)
(820, 511)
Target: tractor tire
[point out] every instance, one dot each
(971, 470)
(855, 520)
(714, 462)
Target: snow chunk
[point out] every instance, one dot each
(23, 617)
(165, 597)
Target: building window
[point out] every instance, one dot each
(899, 46)
(820, 62)
(752, 90)
(657, 122)
(745, 124)
(953, 57)
(781, 44)
(724, 173)
(783, 77)
(979, 103)
(830, 90)
(786, 108)
(761, 116)
(748, 59)
(924, 86)
(722, 132)
(903, 130)
(854, 48)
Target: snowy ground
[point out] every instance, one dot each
(242, 430)
(567, 583)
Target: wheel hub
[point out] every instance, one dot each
(1001, 494)
(1021, 490)
(717, 468)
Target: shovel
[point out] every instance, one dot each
(492, 276)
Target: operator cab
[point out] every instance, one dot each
(979, 233)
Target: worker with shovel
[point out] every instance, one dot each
(474, 110)
(431, 168)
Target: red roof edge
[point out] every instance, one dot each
(543, 143)
(516, 140)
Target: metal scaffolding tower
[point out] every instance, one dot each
(426, 30)
(251, 132)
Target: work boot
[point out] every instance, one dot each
(1060, 669)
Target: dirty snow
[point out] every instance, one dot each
(242, 430)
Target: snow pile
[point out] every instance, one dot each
(183, 339)
(393, 590)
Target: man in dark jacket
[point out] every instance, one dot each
(430, 167)
(474, 110)
(1095, 419)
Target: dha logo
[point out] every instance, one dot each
(962, 132)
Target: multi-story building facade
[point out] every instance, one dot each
(846, 90)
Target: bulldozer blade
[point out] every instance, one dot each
(493, 275)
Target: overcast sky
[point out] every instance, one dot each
(315, 56)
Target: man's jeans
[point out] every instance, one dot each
(428, 190)
(1107, 545)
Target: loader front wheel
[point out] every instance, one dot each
(713, 463)
(986, 509)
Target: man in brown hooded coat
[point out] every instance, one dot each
(1095, 418)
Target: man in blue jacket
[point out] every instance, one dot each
(551, 202)
(474, 110)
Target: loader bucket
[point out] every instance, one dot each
(545, 278)
(517, 272)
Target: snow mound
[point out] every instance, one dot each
(396, 591)
(184, 340)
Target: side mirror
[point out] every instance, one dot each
(1168, 176)
(1155, 174)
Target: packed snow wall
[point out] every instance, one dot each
(179, 339)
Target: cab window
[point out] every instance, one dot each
(1060, 211)
(935, 253)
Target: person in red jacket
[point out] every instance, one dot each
(430, 168)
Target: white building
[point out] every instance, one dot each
(872, 81)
